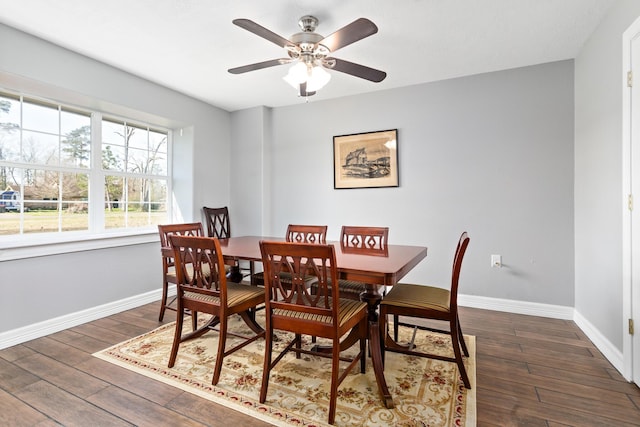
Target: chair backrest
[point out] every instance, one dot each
(307, 233)
(166, 230)
(199, 266)
(183, 229)
(301, 260)
(457, 265)
(358, 237)
(218, 224)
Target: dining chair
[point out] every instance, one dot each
(219, 225)
(299, 233)
(203, 287)
(427, 302)
(168, 262)
(294, 309)
(361, 240)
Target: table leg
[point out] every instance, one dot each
(372, 297)
(249, 318)
(235, 275)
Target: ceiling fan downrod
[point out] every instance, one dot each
(308, 23)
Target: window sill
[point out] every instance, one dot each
(16, 250)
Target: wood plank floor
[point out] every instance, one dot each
(531, 371)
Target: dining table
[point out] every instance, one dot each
(372, 268)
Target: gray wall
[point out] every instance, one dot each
(598, 162)
(43, 288)
(248, 173)
(491, 154)
(53, 286)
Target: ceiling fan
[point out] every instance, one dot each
(311, 53)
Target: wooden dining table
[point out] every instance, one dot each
(373, 269)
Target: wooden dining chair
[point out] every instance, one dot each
(203, 288)
(299, 233)
(168, 262)
(427, 302)
(219, 225)
(292, 308)
(361, 240)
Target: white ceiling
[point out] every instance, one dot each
(188, 45)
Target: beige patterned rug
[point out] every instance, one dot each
(426, 392)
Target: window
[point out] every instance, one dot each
(134, 161)
(55, 177)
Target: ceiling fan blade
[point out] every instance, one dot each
(259, 65)
(357, 30)
(303, 90)
(358, 70)
(259, 30)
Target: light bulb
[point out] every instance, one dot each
(318, 78)
(296, 75)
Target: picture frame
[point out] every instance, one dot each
(366, 160)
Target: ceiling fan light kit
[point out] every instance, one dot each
(310, 52)
(314, 76)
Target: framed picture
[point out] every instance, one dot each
(366, 160)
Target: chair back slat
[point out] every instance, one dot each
(301, 261)
(200, 265)
(307, 233)
(364, 240)
(218, 223)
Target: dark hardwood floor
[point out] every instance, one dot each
(531, 371)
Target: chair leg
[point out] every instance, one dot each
(335, 366)
(222, 340)
(456, 350)
(298, 345)
(266, 370)
(384, 330)
(194, 320)
(461, 338)
(396, 324)
(163, 301)
(177, 336)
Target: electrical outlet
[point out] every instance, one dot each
(496, 261)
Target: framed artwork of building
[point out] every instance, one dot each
(366, 160)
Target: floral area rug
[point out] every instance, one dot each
(426, 392)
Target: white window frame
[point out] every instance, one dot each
(20, 246)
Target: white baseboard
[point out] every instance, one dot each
(40, 329)
(519, 307)
(607, 349)
(37, 330)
